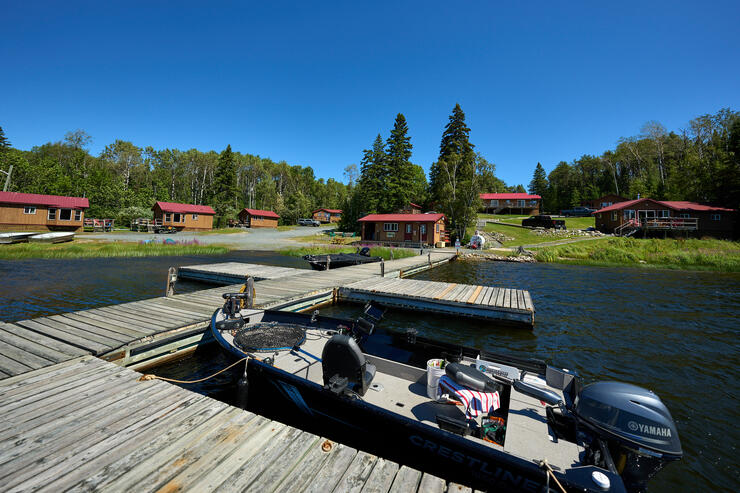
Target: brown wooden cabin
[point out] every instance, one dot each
(411, 208)
(649, 216)
(256, 218)
(511, 203)
(424, 229)
(327, 215)
(184, 217)
(604, 201)
(34, 212)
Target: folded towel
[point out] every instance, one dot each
(475, 402)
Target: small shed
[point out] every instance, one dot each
(35, 212)
(257, 218)
(184, 217)
(327, 215)
(416, 229)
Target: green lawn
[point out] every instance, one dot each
(383, 252)
(695, 254)
(89, 249)
(221, 231)
(522, 236)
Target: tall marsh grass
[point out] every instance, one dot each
(382, 252)
(117, 249)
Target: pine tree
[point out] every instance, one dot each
(224, 184)
(373, 175)
(538, 185)
(4, 142)
(400, 180)
(455, 140)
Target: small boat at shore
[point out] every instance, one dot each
(486, 420)
(336, 260)
(13, 237)
(56, 237)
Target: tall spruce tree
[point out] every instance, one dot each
(399, 185)
(455, 140)
(224, 184)
(538, 185)
(373, 175)
(4, 142)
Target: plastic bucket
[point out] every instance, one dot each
(434, 372)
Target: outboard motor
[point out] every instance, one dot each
(634, 434)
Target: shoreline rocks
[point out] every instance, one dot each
(522, 259)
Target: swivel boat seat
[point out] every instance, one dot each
(345, 366)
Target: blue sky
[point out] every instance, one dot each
(313, 83)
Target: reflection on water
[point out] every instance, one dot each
(36, 287)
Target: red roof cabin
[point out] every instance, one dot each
(184, 217)
(257, 218)
(410, 208)
(404, 229)
(34, 212)
(511, 203)
(327, 215)
(649, 217)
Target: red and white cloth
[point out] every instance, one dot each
(475, 402)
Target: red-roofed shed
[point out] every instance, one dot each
(257, 218)
(511, 203)
(35, 212)
(184, 217)
(422, 229)
(327, 215)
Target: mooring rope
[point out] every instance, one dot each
(549, 473)
(150, 376)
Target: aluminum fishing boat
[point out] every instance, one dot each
(15, 237)
(490, 421)
(336, 260)
(57, 237)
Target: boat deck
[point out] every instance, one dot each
(90, 425)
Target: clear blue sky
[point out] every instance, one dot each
(313, 83)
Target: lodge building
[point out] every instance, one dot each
(34, 212)
(648, 216)
(327, 215)
(416, 229)
(604, 201)
(511, 203)
(257, 218)
(184, 217)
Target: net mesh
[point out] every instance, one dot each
(270, 336)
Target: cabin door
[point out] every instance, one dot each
(423, 233)
(408, 235)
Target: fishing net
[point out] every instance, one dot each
(270, 336)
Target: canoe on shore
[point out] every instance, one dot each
(58, 237)
(15, 237)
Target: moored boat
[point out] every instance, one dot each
(15, 237)
(55, 237)
(336, 260)
(490, 421)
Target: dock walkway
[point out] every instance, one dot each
(89, 425)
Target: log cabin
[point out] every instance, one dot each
(511, 203)
(34, 212)
(184, 217)
(257, 218)
(411, 229)
(327, 215)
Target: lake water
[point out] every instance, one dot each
(674, 332)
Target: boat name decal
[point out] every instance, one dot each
(649, 430)
(500, 475)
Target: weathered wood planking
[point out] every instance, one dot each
(119, 434)
(234, 272)
(483, 302)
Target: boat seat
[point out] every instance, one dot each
(472, 378)
(342, 357)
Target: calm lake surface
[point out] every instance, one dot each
(673, 332)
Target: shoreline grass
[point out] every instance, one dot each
(70, 250)
(684, 254)
(382, 252)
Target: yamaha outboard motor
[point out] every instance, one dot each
(634, 434)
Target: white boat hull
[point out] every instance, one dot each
(52, 238)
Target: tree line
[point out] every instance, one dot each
(700, 163)
(125, 180)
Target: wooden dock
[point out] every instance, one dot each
(89, 425)
(234, 272)
(511, 306)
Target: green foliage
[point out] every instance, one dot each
(383, 252)
(117, 249)
(399, 183)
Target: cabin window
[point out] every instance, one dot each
(167, 217)
(78, 215)
(195, 217)
(522, 203)
(533, 203)
(390, 226)
(716, 217)
(52, 215)
(177, 218)
(437, 228)
(614, 216)
(29, 209)
(629, 214)
(423, 229)
(65, 214)
(408, 228)
(683, 216)
(494, 203)
(665, 213)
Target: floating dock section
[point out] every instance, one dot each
(90, 425)
(508, 306)
(234, 272)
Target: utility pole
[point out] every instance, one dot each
(7, 180)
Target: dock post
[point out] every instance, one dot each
(328, 261)
(391, 254)
(382, 268)
(249, 285)
(429, 257)
(171, 280)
